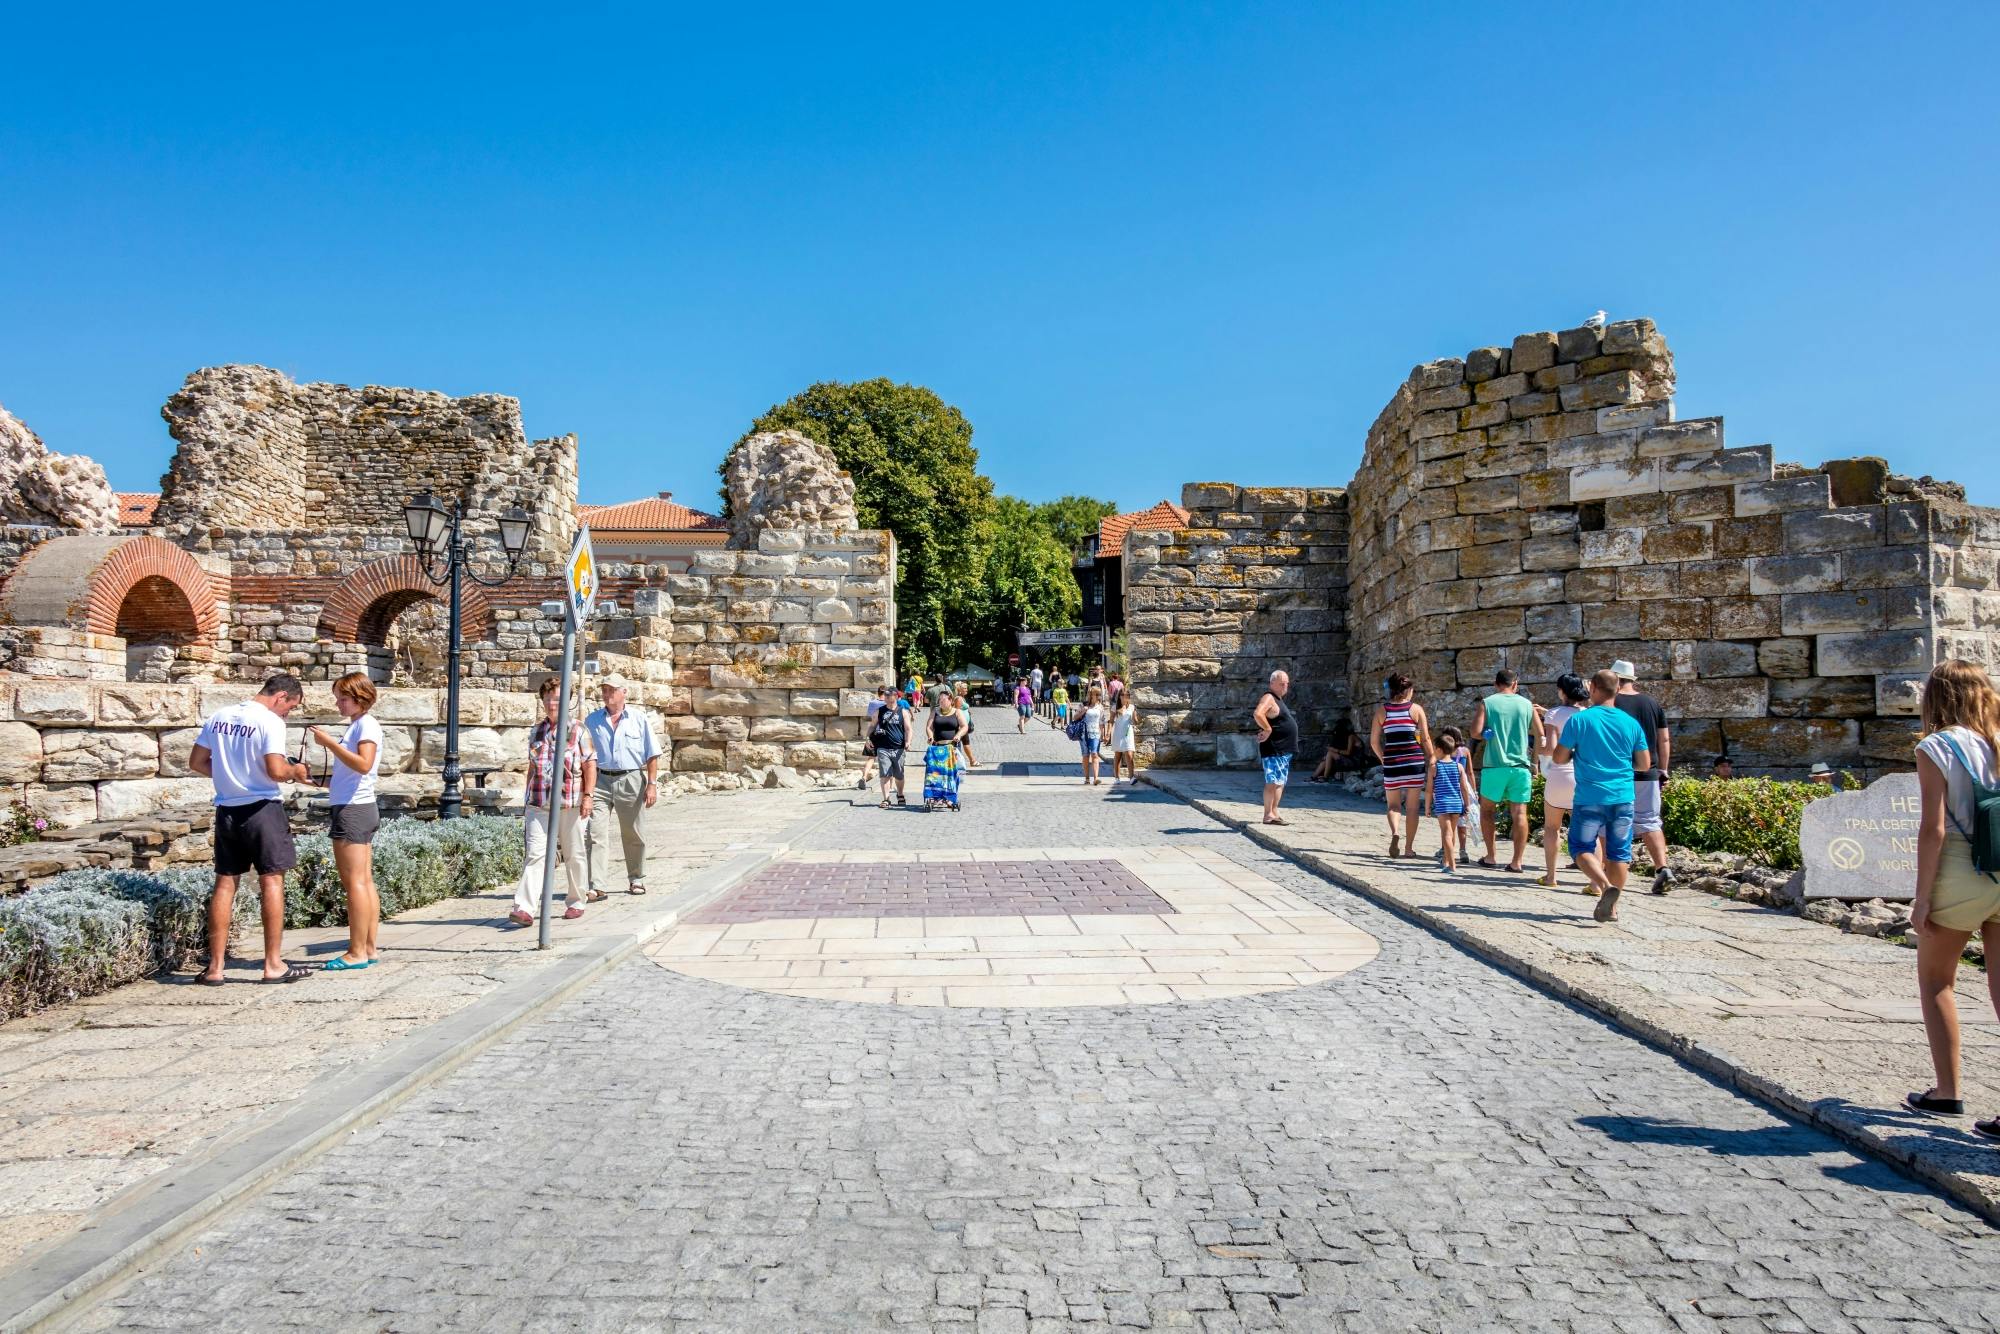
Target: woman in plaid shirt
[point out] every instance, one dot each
(579, 780)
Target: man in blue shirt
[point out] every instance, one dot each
(628, 764)
(1606, 747)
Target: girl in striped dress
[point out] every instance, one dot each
(1447, 796)
(1401, 738)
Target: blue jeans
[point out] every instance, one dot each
(1611, 823)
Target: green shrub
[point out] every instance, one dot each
(84, 932)
(1752, 817)
(416, 863)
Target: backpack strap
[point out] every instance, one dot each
(1970, 773)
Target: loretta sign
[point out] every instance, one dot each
(1862, 845)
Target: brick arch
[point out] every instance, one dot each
(369, 599)
(131, 564)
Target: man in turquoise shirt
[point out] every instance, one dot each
(1606, 748)
(1507, 729)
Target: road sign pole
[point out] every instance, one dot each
(556, 777)
(582, 578)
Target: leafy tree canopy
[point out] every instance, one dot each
(1074, 518)
(1024, 581)
(916, 474)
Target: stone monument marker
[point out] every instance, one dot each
(1863, 845)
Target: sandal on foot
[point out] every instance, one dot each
(1607, 905)
(344, 965)
(1489, 865)
(1924, 1102)
(596, 896)
(210, 981)
(1547, 882)
(1395, 845)
(885, 803)
(295, 973)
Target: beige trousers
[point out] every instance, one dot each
(624, 797)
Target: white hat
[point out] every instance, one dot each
(1821, 767)
(613, 681)
(1624, 670)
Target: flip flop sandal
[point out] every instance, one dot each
(292, 974)
(1547, 882)
(636, 889)
(1395, 846)
(1924, 1102)
(341, 965)
(210, 981)
(886, 804)
(1491, 866)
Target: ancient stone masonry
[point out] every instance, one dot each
(1257, 581)
(281, 546)
(1539, 506)
(61, 490)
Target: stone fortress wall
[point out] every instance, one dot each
(280, 545)
(1257, 580)
(1540, 507)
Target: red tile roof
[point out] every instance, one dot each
(135, 508)
(653, 514)
(1111, 533)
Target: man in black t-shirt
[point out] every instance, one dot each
(1652, 719)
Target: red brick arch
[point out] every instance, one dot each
(139, 559)
(364, 604)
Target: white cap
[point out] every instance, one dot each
(613, 681)
(1624, 670)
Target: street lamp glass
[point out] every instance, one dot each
(514, 530)
(426, 520)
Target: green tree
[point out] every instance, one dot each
(1024, 580)
(1074, 518)
(916, 474)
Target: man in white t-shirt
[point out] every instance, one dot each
(241, 749)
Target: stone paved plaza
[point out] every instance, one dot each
(1421, 1142)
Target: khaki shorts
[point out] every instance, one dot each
(1963, 898)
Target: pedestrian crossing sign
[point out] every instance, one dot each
(582, 574)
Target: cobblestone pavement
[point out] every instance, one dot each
(1824, 1020)
(112, 1092)
(1423, 1143)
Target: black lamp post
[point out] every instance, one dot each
(440, 536)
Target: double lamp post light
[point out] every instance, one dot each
(441, 552)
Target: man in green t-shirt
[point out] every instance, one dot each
(1508, 728)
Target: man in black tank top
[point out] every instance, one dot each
(1277, 741)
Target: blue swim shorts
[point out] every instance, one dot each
(1613, 824)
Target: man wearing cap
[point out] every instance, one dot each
(1652, 719)
(628, 763)
(1606, 749)
(1821, 773)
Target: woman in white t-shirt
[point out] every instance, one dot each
(351, 802)
(1558, 780)
(1961, 718)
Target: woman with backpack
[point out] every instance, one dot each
(1958, 861)
(888, 737)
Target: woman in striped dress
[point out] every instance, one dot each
(1401, 738)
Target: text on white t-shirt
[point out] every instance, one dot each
(238, 738)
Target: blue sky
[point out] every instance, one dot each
(1137, 245)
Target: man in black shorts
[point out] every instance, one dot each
(241, 750)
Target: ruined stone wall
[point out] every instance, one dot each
(261, 453)
(78, 751)
(1256, 583)
(1540, 507)
(777, 650)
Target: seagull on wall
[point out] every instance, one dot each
(1595, 321)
